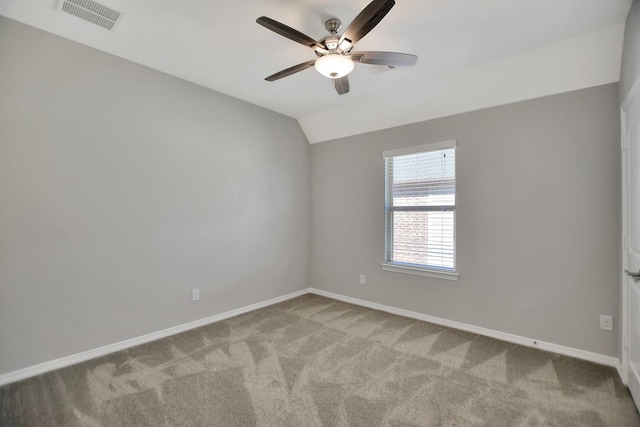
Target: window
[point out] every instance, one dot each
(420, 208)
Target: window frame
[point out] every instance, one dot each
(419, 269)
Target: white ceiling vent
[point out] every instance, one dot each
(92, 11)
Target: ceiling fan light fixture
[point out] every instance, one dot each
(334, 65)
(335, 59)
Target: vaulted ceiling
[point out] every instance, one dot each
(472, 53)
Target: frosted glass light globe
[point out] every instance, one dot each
(334, 65)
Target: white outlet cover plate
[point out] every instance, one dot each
(606, 322)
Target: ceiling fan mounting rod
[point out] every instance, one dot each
(333, 25)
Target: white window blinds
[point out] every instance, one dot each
(420, 206)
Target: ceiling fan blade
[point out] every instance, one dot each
(391, 59)
(341, 85)
(366, 20)
(291, 70)
(288, 32)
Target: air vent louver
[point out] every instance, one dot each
(92, 11)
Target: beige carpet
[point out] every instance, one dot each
(313, 361)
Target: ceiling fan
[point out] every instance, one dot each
(335, 57)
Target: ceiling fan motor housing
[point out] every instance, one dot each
(331, 43)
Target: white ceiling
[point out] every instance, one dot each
(219, 45)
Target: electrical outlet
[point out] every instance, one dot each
(363, 279)
(195, 294)
(606, 322)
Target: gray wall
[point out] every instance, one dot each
(122, 188)
(538, 219)
(631, 52)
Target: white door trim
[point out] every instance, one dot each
(624, 286)
(624, 294)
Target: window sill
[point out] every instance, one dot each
(417, 271)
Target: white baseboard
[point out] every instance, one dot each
(529, 342)
(63, 362)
